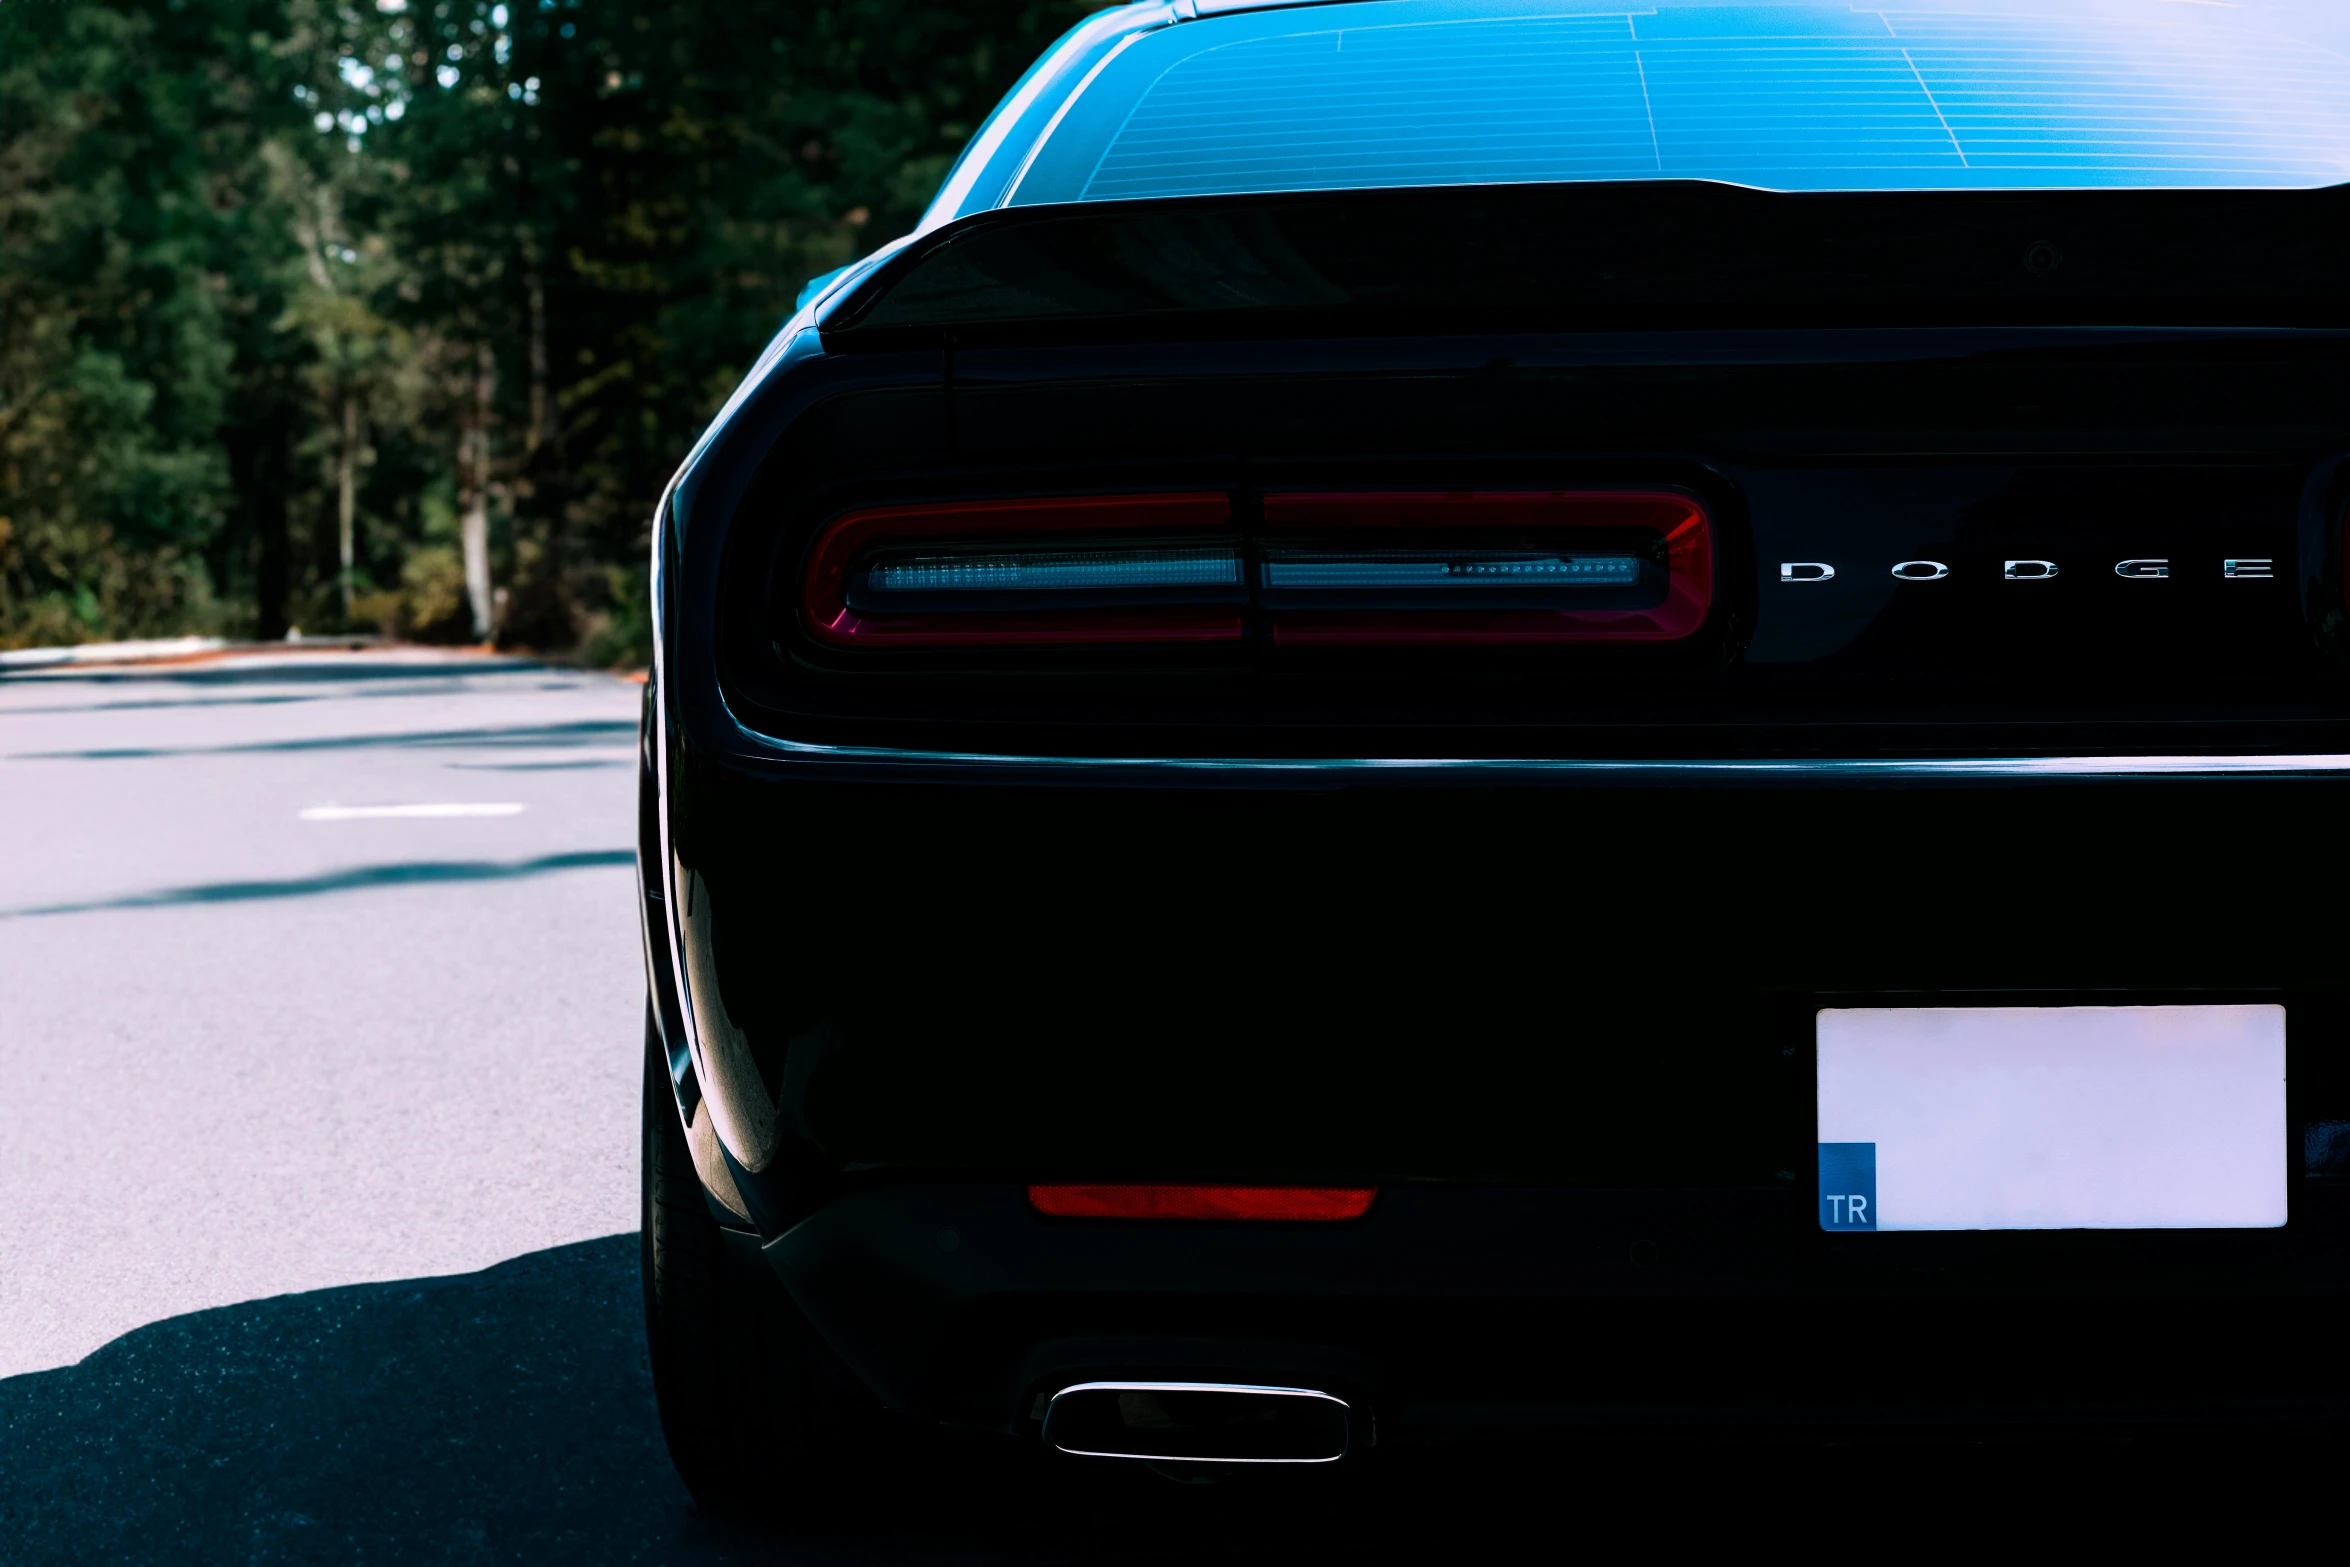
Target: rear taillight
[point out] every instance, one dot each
(1084, 569)
(1463, 567)
(1202, 1202)
(1482, 567)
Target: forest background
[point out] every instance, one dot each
(396, 315)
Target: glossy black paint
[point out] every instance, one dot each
(1545, 1010)
(1611, 255)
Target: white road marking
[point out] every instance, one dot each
(353, 813)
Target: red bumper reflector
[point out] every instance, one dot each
(1202, 1202)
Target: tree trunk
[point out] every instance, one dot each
(538, 366)
(347, 499)
(258, 457)
(474, 528)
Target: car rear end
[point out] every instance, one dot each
(1602, 804)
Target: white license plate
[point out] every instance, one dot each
(2052, 1118)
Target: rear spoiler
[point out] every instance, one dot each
(1611, 257)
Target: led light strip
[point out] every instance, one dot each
(1045, 571)
(1288, 570)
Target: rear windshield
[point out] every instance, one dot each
(2044, 94)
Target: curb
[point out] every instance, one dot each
(170, 650)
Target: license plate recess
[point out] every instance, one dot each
(1936, 1117)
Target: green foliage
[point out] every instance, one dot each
(127, 252)
(476, 266)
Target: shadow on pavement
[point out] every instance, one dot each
(274, 698)
(323, 668)
(499, 1416)
(507, 1416)
(582, 732)
(358, 877)
(456, 1419)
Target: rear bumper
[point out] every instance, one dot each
(1508, 987)
(1487, 1310)
(1560, 1028)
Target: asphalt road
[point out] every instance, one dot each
(246, 1052)
(317, 1201)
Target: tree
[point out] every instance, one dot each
(490, 266)
(124, 194)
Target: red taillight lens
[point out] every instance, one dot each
(1202, 1202)
(1486, 567)
(1463, 567)
(1064, 569)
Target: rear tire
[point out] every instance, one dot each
(753, 1403)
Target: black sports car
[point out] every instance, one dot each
(1448, 715)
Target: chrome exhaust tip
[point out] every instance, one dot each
(1198, 1422)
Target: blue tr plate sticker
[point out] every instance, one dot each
(1848, 1186)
